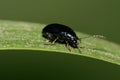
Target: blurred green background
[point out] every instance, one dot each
(33, 65)
(87, 16)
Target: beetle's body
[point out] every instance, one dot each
(60, 33)
(63, 34)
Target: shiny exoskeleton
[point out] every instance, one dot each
(61, 34)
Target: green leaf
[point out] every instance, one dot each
(27, 36)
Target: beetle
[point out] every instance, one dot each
(62, 34)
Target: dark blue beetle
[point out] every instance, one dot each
(61, 34)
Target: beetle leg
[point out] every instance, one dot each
(52, 42)
(68, 46)
(47, 41)
(78, 47)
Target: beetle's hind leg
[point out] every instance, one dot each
(52, 42)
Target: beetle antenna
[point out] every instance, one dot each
(94, 36)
